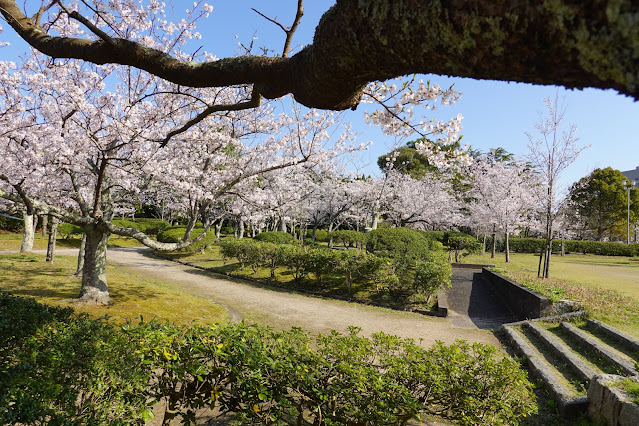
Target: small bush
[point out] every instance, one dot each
(462, 243)
(320, 235)
(275, 237)
(70, 369)
(405, 246)
(349, 238)
(67, 230)
(433, 273)
(8, 224)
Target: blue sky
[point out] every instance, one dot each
(496, 114)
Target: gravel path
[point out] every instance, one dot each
(281, 309)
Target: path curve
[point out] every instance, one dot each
(282, 310)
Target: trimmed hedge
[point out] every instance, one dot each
(275, 237)
(403, 245)
(8, 224)
(70, 369)
(603, 248)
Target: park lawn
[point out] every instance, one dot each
(608, 286)
(29, 275)
(10, 241)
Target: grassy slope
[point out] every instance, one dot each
(29, 275)
(607, 286)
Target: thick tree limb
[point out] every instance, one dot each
(577, 44)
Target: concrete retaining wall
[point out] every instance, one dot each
(523, 302)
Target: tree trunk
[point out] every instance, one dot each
(53, 233)
(28, 233)
(494, 247)
(483, 247)
(240, 230)
(563, 249)
(282, 225)
(218, 230)
(507, 244)
(43, 222)
(83, 242)
(94, 282)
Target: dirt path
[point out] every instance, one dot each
(281, 309)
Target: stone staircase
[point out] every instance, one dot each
(568, 356)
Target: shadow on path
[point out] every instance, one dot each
(474, 303)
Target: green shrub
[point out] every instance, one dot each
(275, 237)
(227, 230)
(602, 248)
(320, 235)
(433, 273)
(67, 230)
(462, 243)
(405, 246)
(8, 224)
(69, 369)
(349, 238)
(175, 234)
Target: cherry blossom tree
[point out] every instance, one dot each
(502, 195)
(426, 203)
(82, 150)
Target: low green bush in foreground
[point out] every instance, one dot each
(58, 367)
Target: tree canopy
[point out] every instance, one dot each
(599, 202)
(574, 44)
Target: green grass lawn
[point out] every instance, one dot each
(607, 286)
(132, 297)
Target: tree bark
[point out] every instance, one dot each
(574, 44)
(494, 246)
(83, 241)
(53, 234)
(94, 281)
(507, 244)
(218, 230)
(43, 223)
(28, 233)
(240, 230)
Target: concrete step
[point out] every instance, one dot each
(570, 401)
(566, 358)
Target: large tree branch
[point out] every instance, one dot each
(590, 43)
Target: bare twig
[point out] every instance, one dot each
(288, 30)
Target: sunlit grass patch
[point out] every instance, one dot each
(29, 275)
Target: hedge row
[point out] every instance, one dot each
(303, 260)
(352, 264)
(604, 248)
(67, 369)
(8, 224)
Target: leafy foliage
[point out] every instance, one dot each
(276, 237)
(69, 369)
(67, 229)
(349, 238)
(463, 243)
(599, 201)
(433, 273)
(8, 224)
(403, 245)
